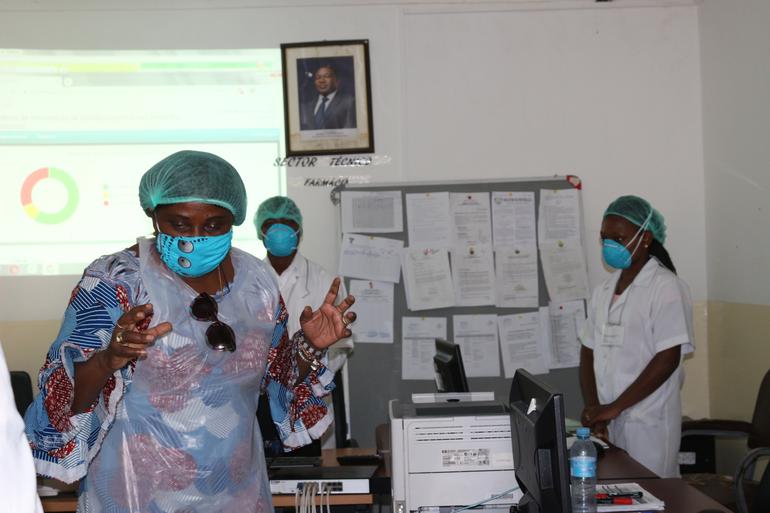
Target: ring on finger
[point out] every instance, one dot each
(346, 321)
(119, 338)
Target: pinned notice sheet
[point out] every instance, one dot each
(427, 219)
(473, 275)
(471, 218)
(427, 279)
(374, 311)
(513, 218)
(370, 258)
(418, 345)
(567, 320)
(477, 337)
(516, 277)
(564, 266)
(564, 270)
(559, 219)
(521, 343)
(372, 212)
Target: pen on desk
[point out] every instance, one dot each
(633, 495)
(616, 500)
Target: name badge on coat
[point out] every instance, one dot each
(612, 335)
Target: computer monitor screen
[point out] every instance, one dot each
(448, 365)
(538, 436)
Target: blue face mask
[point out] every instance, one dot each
(193, 256)
(616, 254)
(281, 240)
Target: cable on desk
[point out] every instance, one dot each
(491, 498)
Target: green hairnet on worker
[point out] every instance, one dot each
(279, 225)
(194, 176)
(639, 211)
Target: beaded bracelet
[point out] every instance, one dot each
(310, 355)
(310, 350)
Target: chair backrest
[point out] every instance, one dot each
(760, 423)
(22, 390)
(761, 502)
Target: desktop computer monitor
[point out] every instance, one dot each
(538, 436)
(448, 366)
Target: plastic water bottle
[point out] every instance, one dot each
(582, 463)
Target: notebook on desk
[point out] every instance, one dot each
(637, 498)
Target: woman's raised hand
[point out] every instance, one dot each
(329, 323)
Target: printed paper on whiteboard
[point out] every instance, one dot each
(567, 321)
(427, 219)
(370, 258)
(418, 345)
(559, 219)
(477, 337)
(372, 212)
(513, 218)
(520, 343)
(564, 270)
(471, 218)
(374, 311)
(427, 279)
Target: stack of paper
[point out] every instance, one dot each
(642, 499)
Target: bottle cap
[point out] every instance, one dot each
(583, 432)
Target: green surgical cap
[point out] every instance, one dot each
(277, 207)
(194, 176)
(636, 210)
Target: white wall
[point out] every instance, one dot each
(736, 109)
(468, 90)
(736, 112)
(611, 95)
(610, 92)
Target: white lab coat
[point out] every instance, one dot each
(306, 283)
(655, 313)
(18, 481)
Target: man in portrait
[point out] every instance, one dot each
(330, 108)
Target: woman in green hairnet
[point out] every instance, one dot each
(638, 329)
(150, 389)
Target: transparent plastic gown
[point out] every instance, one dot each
(186, 439)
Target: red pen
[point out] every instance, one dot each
(615, 500)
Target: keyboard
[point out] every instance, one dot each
(294, 461)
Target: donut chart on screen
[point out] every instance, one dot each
(50, 173)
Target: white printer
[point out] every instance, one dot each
(450, 454)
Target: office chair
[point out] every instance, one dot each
(21, 384)
(761, 502)
(730, 491)
(340, 415)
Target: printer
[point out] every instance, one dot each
(450, 454)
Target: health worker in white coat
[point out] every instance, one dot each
(638, 330)
(302, 282)
(18, 481)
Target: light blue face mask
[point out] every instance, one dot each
(281, 240)
(616, 254)
(193, 256)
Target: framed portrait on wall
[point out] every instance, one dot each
(327, 98)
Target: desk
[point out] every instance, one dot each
(67, 502)
(615, 463)
(678, 495)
